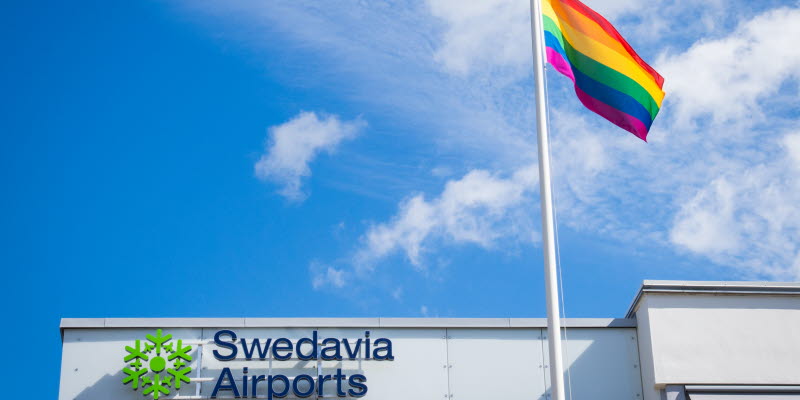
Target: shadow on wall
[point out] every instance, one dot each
(101, 389)
(93, 361)
(603, 365)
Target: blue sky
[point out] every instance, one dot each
(346, 158)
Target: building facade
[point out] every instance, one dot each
(679, 340)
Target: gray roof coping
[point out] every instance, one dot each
(742, 285)
(67, 323)
(713, 287)
(445, 322)
(173, 322)
(311, 322)
(491, 323)
(575, 323)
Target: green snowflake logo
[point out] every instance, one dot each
(154, 357)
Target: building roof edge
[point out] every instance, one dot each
(713, 287)
(485, 323)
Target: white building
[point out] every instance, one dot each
(679, 340)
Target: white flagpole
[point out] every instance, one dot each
(545, 192)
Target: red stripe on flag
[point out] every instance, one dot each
(600, 20)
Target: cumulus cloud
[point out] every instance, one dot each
(716, 180)
(700, 186)
(479, 208)
(707, 223)
(747, 217)
(293, 145)
(726, 78)
(719, 178)
(739, 206)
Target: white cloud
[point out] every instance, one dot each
(733, 204)
(482, 36)
(324, 276)
(423, 310)
(293, 145)
(719, 177)
(478, 208)
(707, 223)
(728, 99)
(380, 57)
(715, 180)
(487, 32)
(792, 145)
(748, 218)
(726, 78)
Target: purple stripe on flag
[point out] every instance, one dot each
(617, 117)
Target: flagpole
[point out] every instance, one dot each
(546, 195)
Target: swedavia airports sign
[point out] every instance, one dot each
(158, 365)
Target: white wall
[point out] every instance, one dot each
(430, 363)
(719, 339)
(92, 362)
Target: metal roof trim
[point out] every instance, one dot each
(713, 287)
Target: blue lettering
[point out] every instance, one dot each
(218, 341)
(355, 382)
(387, 349)
(367, 353)
(339, 376)
(262, 353)
(255, 381)
(321, 380)
(231, 385)
(352, 354)
(296, 389)
(282, 344)
(313, 341)
(335, 346)
(271, 386)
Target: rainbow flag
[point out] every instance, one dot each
(610, 78)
